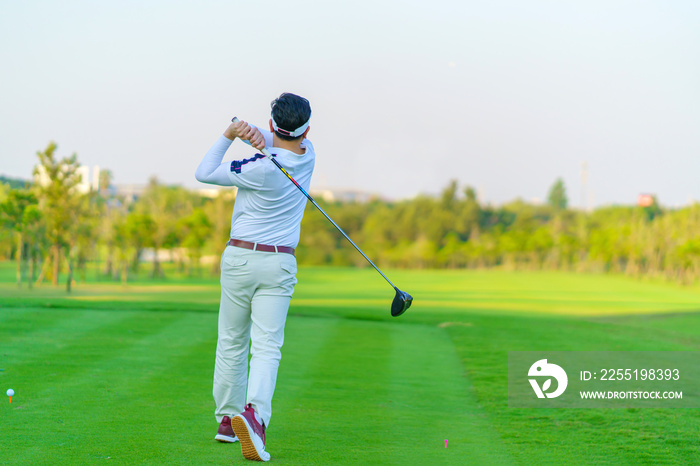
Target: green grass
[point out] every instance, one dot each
(123, 375)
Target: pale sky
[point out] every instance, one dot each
(505, 96)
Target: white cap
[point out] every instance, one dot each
(294, 134)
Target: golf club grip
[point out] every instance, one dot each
(267, 154)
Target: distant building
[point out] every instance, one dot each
(130, 192)
(645, 200)
(86, 184)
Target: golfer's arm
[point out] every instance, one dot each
(211, 170)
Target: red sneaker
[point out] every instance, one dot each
(225, 433)
(251, 434)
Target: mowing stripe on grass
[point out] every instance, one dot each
(29, 342)
(380, 392)
(336, 418)
(590, 436)
(432, 395)
(145, 398)
(43, 330)
(166, 380)
(82, 376)
(304, 340)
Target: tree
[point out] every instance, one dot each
(59, 200)
(468, 215)
(138, 226)
(448, 198)
(105, 181)
(166, 205)
(218, 211)
(84, 230)
(557, 195)
(19, 213)
(4, 191)
(653, 210)
(122, 241)
(196, 229)
(107, 235)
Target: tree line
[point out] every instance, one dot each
(53, 231)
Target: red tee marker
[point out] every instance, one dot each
(445, 443)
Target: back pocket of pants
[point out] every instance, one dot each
(235, 261)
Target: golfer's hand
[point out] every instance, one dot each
(245, 132)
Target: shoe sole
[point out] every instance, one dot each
(242, 431)
(226, 438)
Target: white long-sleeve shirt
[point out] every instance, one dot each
(268, 208)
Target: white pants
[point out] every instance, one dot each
(256, 288)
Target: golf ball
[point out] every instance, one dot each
(10, 392)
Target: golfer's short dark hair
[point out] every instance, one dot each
(290, 111)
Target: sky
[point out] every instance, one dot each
(503, 96)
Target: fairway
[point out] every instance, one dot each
(122, 375)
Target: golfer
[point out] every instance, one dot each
(258, 266)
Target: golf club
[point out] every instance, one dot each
(402, 300)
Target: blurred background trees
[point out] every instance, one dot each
(19, 214)
(50, 227)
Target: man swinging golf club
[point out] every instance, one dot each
(258, 266)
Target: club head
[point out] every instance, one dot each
(402, 301)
